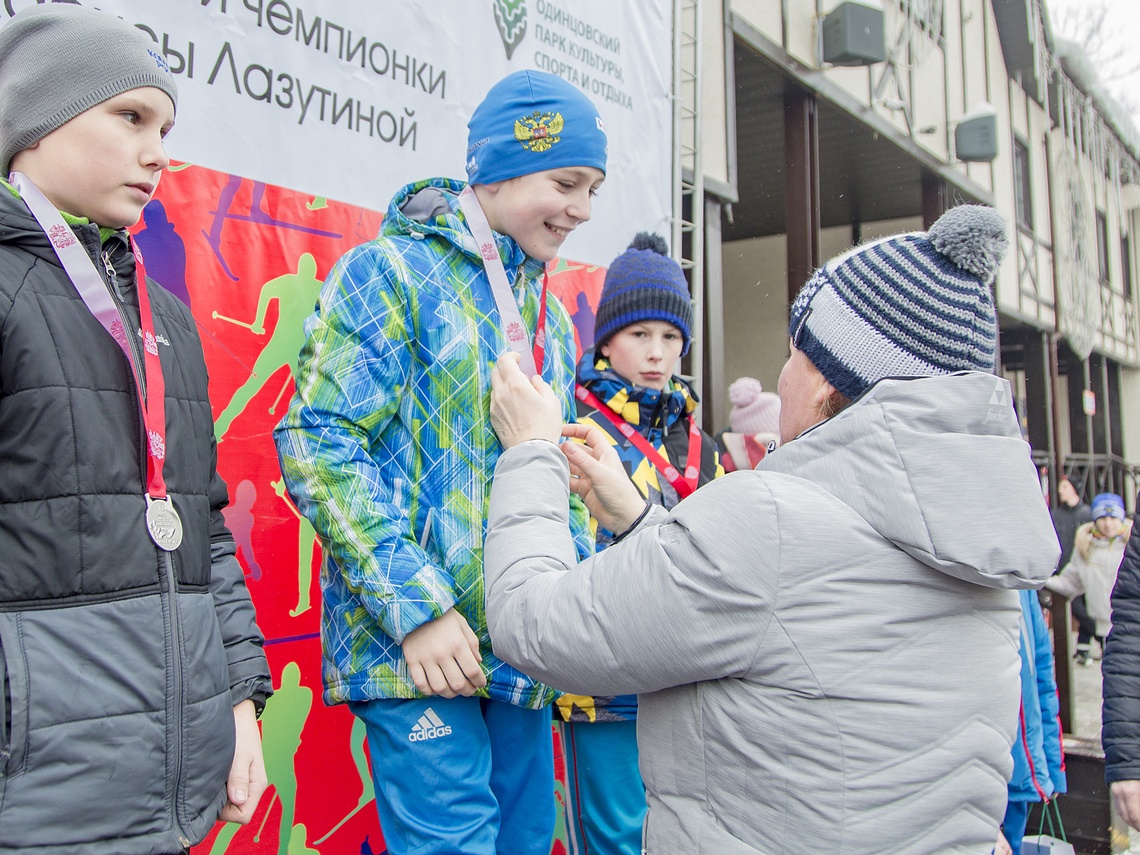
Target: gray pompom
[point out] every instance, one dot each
(650, 240)
(973, 237)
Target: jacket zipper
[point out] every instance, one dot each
(176, 667)
(132, 338)
(170, 582)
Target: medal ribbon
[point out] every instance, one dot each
(684, 484)
(530, 360)
(94, 293)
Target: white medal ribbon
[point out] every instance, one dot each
(162, 521)
(513, 327)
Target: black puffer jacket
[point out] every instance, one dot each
(1120, 731)
(120, 663)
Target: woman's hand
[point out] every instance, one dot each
(598, 476)
(522, 408)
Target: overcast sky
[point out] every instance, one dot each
(1124, 20)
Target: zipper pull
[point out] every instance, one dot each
(109, 267)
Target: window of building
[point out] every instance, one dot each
(1102, 244)
(1023, 200)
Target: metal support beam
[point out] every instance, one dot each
(688, 245)
(934, 198)
(801, 192)
(1080, 425)
(714, 398)
(1039, 394)
(1099, 420)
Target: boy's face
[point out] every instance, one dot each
(1109, 526)
(105, 163)
(539, 210)
(645, 353)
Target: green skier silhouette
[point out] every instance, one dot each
(296, 296)
(306, 540)
(281, 725)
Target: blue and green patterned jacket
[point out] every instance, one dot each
(387, 447)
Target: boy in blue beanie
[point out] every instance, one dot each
(1097, 553)
(387, 448)
(131, 667)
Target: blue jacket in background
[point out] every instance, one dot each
(1038, 755)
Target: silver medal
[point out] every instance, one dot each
(163, 523)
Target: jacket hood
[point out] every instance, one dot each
(648, 410)
(430, 209)
(936, 466)
(1088, 538)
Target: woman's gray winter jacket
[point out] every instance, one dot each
(825, 649)
(120, 664)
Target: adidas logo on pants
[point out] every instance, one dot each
(429, 726)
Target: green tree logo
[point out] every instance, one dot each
(510, 16)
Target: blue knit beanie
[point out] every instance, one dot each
(911, 305)
(1108, 505)
(644, 284)
(532, 121)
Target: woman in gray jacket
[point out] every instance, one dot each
(841, 687)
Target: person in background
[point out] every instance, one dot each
(387, 449)
(754, 425)
(1038, 750)
(1099, 547)
(1069, 515)
(1120, 717)
(627, 390)
(824, 649)
(132, 670)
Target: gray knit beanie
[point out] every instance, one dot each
(912, 305)
(57, 60)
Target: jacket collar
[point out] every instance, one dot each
(648, 410)
(430, 208)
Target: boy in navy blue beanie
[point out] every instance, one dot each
(644, 325)
(387, 448)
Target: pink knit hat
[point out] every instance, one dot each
(753, 410)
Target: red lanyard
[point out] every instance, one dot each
(154, 412)
(540, 327)
(162, 520)
(683, 484)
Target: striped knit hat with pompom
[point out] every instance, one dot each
(644, 284)
(912, 305)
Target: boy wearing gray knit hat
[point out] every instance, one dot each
(128, 647)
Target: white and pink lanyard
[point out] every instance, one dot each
(530, 361)
(161, 519)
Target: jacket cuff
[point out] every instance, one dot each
(255, 689)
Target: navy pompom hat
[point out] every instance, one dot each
(532, 121)
(912, 305)
(644, 284)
